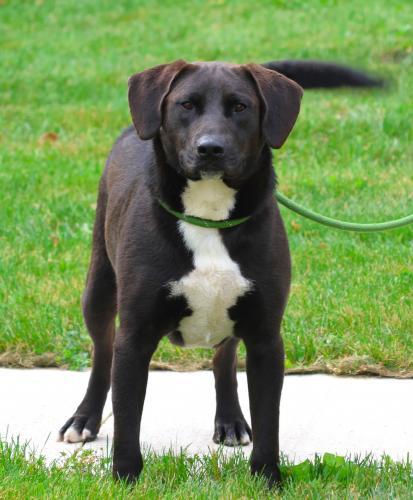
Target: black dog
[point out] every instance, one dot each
(202, 148)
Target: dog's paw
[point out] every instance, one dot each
(232, 433)
(271, 472)
(127, 470)
(79, 429)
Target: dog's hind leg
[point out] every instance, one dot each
(231, 428)
(99, 311)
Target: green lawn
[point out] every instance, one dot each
(205, 477)
(64, 67)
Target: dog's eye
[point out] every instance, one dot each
(187, 105)
(239, 107)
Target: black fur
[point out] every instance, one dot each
(318, 74)
(138, 250)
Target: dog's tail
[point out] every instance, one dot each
(319, 74)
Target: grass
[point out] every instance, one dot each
(64, 67)
(24, 475)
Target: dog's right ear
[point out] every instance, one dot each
(147, 91)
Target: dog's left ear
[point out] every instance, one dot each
(281, 98)
(147, 91)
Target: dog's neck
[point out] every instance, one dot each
(251, 194)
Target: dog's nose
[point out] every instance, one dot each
(210, 147)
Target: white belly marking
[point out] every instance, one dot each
(215, 283)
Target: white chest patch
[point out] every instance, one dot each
(215, 283)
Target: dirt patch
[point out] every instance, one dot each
(349, 366)
(398, 55)
(24, 360)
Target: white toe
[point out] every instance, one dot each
(230, 441)
(72, 436)
(86, 434)
(244, 438)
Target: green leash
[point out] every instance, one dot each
(339, 224)
(299, 209)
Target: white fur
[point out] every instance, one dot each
(86, 434)
(244, 438)
(73, 436)
(215, 283)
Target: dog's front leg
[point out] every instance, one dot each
(132, 356)
(265, 373)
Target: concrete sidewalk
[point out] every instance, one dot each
(319, 413)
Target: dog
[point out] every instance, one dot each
(200, 146)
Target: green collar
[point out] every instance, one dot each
(198, 221)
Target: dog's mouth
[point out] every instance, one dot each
(196, 169)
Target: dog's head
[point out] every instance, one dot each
(214, 118)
